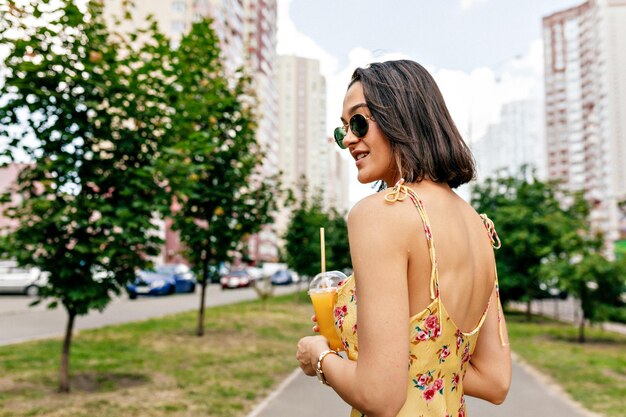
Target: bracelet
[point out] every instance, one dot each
(320, 360)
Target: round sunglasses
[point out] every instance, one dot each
(358, 125)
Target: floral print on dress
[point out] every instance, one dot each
(353, 295)
(340, 314)
(429, 385)
(437, 346)
(422, 380)
(466, 355)
(443, 353)
(429, 329)
(439, 352)
(459, 340)
(462, 407)
(456, 378)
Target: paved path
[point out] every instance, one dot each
(530, 396)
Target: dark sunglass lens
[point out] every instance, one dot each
(340, 134)
(359, 125)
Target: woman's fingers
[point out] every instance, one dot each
(315, 328)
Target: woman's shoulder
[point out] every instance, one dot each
(376, 212)
(374, 205)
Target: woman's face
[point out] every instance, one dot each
(371, 153)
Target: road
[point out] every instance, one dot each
(19, 323)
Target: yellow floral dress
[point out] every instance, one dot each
(439, 352)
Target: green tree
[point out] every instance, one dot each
(222, 195)
(583, 271)
(87, 111)
(337, 244)
(533, 226)
(596, 281)
(302, 238)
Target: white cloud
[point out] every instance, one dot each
(293, 42)
(468, 4)
(474, 99)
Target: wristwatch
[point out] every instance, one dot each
(318, 370)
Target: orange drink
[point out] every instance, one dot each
(324, 305)
(323, 293)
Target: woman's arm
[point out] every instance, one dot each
(489, 373)
(376, 383)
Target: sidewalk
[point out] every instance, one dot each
(530, 396)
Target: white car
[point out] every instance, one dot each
(14, 279)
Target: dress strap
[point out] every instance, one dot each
(399, 193)
(491, 231)
(495, 242)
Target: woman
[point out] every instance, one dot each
(421, 255)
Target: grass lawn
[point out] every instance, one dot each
(593, 373)
(159, 367)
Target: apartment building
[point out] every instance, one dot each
(585, 106)
(516, 140)
(247, 33)
(306, 152)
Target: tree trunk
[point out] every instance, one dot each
(556, 308)
(583, 296)
(581, 330)
(528, 310)
(203, 284)
(64, 384)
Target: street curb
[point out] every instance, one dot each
(267, 400)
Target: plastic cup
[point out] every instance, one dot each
(323, 293)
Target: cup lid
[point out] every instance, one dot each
(326, 280)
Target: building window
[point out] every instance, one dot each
(179, 6)
(177, 26)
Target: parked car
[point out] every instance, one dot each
(151, 283)
(282, 277)
(236, 279)
(164, 280)
(255, 273)
(184, 278)
(16, 280)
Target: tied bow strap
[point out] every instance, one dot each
(491, 231)
(398, 193)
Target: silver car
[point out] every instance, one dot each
(17, 280)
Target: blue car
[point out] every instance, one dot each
(183, 277)
(282, 277)
(166, 279)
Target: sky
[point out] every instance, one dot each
(482, 53)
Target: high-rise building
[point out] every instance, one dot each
(175, 18)
(260, 24)
(305, 151)
(515, 141)
(585, 106)
(260, 40)
(247, 33)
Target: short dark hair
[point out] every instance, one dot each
(412, 114)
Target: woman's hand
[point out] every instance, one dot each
(316, 328)
(309, 348)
